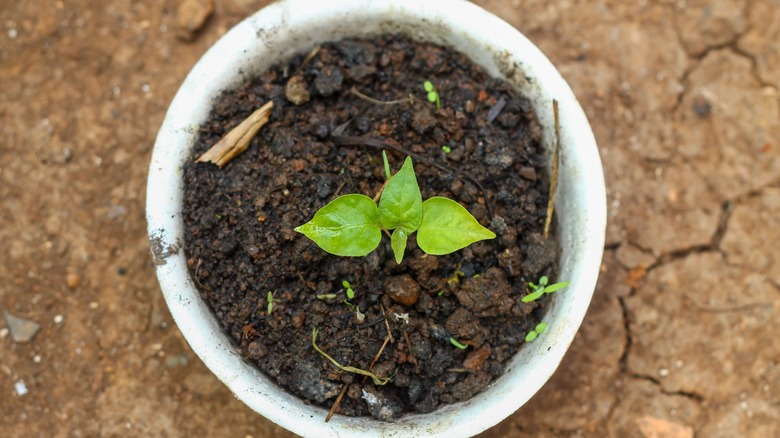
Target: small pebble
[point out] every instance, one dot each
(22, 330)
(663, 372)
(73, 280)
(191, 16)
(402, 289)
(21, 388)
(13, 33)
(37, 358)
(94, 305)
(3, 333)
(58, 319)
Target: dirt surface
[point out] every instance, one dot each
(240, 242)
(681, 337)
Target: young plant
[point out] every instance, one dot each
(350, 292)
(352, 225)
(433, 95)
(533, 334)
(543, 288)
(455, 342)
(270, 302)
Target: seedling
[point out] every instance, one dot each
(326, 296)
(270, 302)
(533, 334)
(350, 292)
(446, 149)
(454, 342)
(433, 95)
(543, 288)
(352, 225)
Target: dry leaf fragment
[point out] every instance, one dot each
(237, 140)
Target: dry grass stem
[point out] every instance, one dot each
(554, 175)
(237, 140)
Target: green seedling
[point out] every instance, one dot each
(446, 149)
(352, 225)
(533, 334)
(543, 288)
(350, 292)
(270, 302)
(377, 380)
(456, 277)
(441, 292)
(454, 342)
(433, 95)
(326, 296)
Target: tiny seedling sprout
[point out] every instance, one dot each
(533, 334)
(433, 95)
(352, 225)
(455, 342)
(270, 302)
(350, 292)
(446, 149)
(326, 296)
(543, 288)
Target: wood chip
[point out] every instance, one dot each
(554, 175)
(237, 140)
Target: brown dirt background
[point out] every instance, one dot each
(682, 338)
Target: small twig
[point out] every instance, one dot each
(379, 192)
(554, 175)
(337, 402)
(379, 353)
(411, 353)
(238, 139)
(377, 380)
(306, 60)
(357, 93)
(387, 324)
(379, 144)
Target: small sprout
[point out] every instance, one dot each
(543, 288)
(388, 175)
(454, 342)
(446, 149)
(456, 277)
(475, 275)
(377, 380)
(217, 216)
(433, 95)
(270, 302)
(352, 225)
(533, 334)
(326, 296)
(350, 292)
(350, 305)
(441, 292)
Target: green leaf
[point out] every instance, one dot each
(556, 287)
(346, 284)
(454, 342)
(398, 242)
(347, 226)
(401, 203)
(531, 336)
(428, 86)
(541, 327)
(543, 281)
(432, 96)
(447, 227)
(386, 164)
(533, 296)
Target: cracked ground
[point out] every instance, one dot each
(681, 339)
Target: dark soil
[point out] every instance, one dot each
(240, 219)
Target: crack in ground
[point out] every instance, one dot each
(680, 393)
(712, 245)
